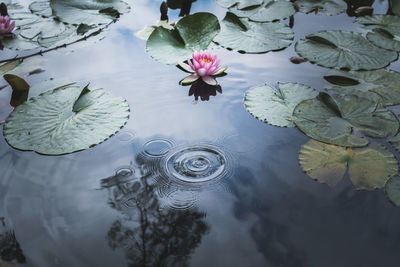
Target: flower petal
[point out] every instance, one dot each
(201, 72)
(186, 67)
(195, 55)
(209, 80)
(189, 79)
(220, 71)
(196, 64)
(212, 70)
(191, 64)
(12, 26)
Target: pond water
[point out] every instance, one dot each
(188, 182)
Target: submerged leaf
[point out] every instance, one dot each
(19, 97)
(193, 32)
(20, 89)
(48, 125)
(340, 120)
(276, 108)
(270, 10)
(343, 50)
(321, 7)
(16, 82)
(378, 84)
(253, 37)
(368, 167)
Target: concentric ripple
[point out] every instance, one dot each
(126, 136)
(157, 147)
(197, 164)
(176, 198)
(122, 175)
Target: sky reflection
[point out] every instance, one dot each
(267, 212)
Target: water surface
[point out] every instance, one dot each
(186, 182)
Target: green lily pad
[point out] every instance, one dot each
(270, 10)
(39, 32)
(339, 120)
(321, 7)
(379, 84)
(41, 8)
(392, 190)
(395, 141)
(241, 4)
(65, 120)
(88, 12)
(22, 19)
(369, 167)
(11, 6)
(276, 108)
(385, 30)
(31, 35)
(253, 37)
(193, 32)
(145, 33)
(343, 50)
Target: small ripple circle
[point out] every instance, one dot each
(157, 147)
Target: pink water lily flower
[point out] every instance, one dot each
(203, 65)
(5, 26)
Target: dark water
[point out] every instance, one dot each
(187, 183)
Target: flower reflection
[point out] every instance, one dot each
(204, 90)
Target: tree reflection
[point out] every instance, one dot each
(10, 250)
(150, 235)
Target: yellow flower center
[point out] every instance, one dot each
(205, 60)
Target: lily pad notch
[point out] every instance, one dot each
(276, 107)
(339, 120)
(343, 50)
(191, 33)
(368, 167)
(65, 120)
(247, 36)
